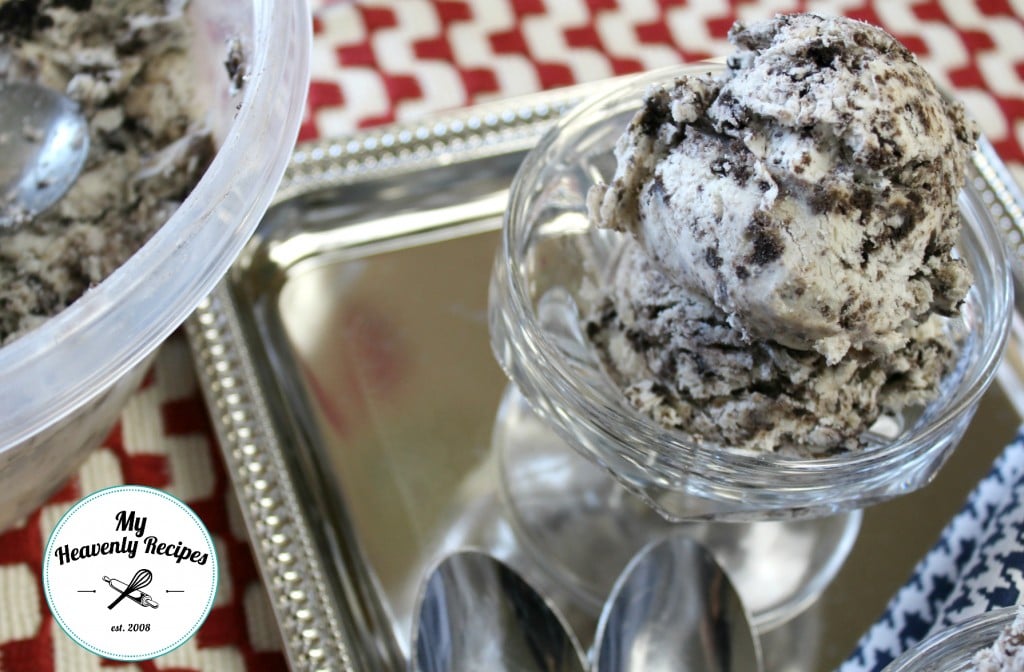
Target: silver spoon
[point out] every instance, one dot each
(44, 141)
(673, 609)
(476, 613)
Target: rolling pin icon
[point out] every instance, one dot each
(133, 589)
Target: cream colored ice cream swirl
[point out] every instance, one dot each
(810, 191)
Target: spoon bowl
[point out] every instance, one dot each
(476, 613)
(44, 140)
(673, 608)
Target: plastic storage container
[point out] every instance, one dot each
(64, 383)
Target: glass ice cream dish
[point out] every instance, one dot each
(550, 251)
(956, 648)
(541, 298)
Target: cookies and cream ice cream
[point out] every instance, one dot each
(793, 219)
(1006, 654)
(125, 62)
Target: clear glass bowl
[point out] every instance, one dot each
(953, 649)
(65, 382)
(548, 250)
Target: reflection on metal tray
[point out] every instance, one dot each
(346, 364)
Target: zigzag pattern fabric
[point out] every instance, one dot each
(377, 61)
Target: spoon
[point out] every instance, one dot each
(476, 613)
(44, 141)
(673, 609)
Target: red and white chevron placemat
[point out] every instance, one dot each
(381, 61)
(375, 62)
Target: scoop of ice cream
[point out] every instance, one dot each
(810, 192)
(678, 360)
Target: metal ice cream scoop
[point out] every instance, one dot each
(476, 613)
(44, 141)
(672, 609)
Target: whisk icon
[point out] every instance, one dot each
(133, 589)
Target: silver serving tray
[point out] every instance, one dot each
(346, 366)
